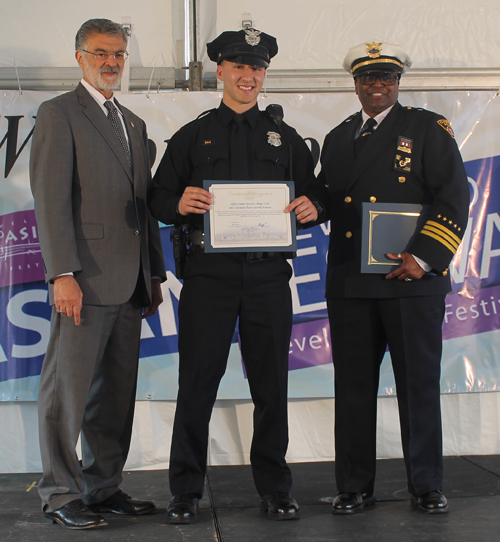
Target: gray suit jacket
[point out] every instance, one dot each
(90, 208)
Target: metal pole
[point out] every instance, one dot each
(195, 66)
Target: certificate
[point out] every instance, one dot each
(250, 217)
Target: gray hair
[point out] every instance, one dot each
(99, 26)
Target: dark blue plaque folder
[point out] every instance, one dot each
(388, 228)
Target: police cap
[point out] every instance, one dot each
(376, 56)
(247, 46)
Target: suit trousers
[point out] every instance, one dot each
(361, 329)
(220, 290)
(87, 384)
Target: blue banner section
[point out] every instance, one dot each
(24, 329)
(482, 239)
(471, 355)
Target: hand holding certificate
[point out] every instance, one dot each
(249, 217)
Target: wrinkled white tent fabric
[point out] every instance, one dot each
(316, 34)
(471, 426)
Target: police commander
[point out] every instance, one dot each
(393, 154)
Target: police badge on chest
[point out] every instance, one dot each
(402, 161)
(274, 139)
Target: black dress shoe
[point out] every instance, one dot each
(75, 515)
(352, 503)
(432, 502)
(121, 503)
(183, 508)
(280, 506)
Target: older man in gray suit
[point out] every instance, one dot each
(90, 172)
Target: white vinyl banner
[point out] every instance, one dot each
(471, 358)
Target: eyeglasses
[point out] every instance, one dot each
(104, 56)
(386, 78)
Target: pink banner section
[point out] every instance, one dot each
(20, 255)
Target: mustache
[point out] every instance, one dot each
(109, 69)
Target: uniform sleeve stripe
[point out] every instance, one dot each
(446, 238)
(442, 241)
(445, 230)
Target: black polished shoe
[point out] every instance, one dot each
(75, 515)
(183, 509)
(280, 506)
(121, 503)
(432, 502)
(352, 503)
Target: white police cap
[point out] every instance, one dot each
(376, 56)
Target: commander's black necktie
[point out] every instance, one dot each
(238, 149)
(113, 117)
(364, 136)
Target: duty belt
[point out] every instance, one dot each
(197, 238)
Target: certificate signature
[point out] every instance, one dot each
(250, 215)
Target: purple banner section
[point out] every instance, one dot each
(467, 313)
(20, 255)
(310, 345)
(471, 312)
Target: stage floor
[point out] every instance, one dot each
(230, 509)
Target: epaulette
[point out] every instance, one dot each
(205, 113)
(444, 123)
(353, 116)
(200, 116)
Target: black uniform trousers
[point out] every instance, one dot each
(361, 330)
(219, 290)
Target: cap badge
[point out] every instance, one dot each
(252, 36)
(274, 139)
(373, 49)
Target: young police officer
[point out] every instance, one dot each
(235, 142)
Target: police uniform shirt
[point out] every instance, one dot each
(201, 151)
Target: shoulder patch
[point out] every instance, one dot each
(446, 126)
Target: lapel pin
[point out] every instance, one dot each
(132, 124)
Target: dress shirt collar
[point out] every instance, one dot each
(227, 115)
(379, 118)
(98, 97)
